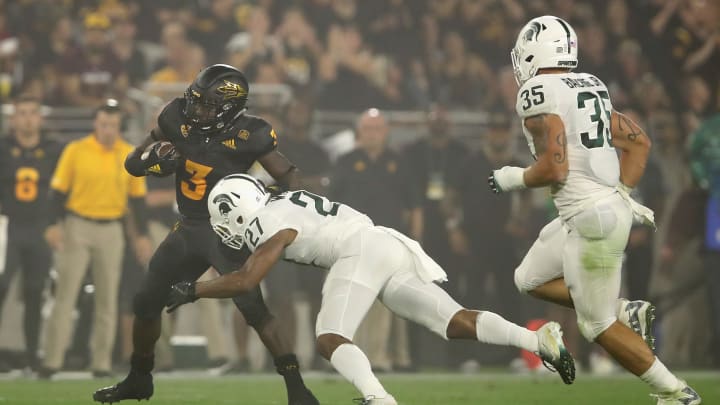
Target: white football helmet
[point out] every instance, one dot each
(544, 42)
(231, 202)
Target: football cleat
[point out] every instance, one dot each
(553, 353)
(134, 386)
(638, 316)
(372, 400)
(684, 396)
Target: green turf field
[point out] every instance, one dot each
(421, 389)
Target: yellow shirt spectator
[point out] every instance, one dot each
(95, 180)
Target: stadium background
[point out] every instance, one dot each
(322, 62)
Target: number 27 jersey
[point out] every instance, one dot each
(324, 228)
(583, 103)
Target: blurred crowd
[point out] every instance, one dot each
(659, 59)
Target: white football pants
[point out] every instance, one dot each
(587, 251)
(382, 268)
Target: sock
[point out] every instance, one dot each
(660, 379)
(142, 364)
(493, 328)
(352, 364)
(287, 366)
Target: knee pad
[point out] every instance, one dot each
(592, 328)
(521, 280)
(145, 306)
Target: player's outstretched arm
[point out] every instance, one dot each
(634, 146)
(232, 284)
(281, 169)
(551, 165)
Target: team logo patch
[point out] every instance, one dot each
(39, 153)
(185, 130)
(244, 134)
(230, 143)
(231, 90)
(274, 137)
(224, 202)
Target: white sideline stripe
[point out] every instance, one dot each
(319, 375)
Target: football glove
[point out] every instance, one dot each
(180, 294)
(160, 160)
(506, 179)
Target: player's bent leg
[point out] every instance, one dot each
(542, 266)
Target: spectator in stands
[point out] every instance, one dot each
(213, 26)
(696, 102)
(27, 160)
(126, 48)
(183, 63)
(300, 48)
(461, 78)
(92, 72)
(377, 181)
(247, 50)
(91, 192)
(48, 56)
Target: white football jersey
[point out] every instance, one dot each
(583, 103)
(322, 227)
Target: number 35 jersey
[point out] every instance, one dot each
(323, 227)
(583, 103)
(206, 160)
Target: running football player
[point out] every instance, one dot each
(366, 262)
(575, 136)
(210, 136)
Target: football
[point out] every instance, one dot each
(164, 149)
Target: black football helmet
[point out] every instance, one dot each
(215, 98)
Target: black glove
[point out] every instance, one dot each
(161, 160)
(181, 293)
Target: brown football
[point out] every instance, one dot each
(164, 148)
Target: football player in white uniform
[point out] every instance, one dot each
(575, 136)
(366, 262)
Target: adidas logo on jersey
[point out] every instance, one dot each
(230, 143)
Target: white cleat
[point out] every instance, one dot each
(638, 316)
(372, 400)
(553, 353)
(684, 396)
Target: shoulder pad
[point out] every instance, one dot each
(536, 97)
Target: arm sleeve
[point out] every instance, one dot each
(63, 175)
(57, 206)
(139, 212)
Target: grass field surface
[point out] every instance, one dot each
(415, 389)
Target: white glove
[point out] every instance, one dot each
(506, 179)
(641, 214)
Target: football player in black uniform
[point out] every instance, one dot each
(27, 162)
(212, 137)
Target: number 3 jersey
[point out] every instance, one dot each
(323, 227)
(25, 178)
(207, 159)
(583, 103)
